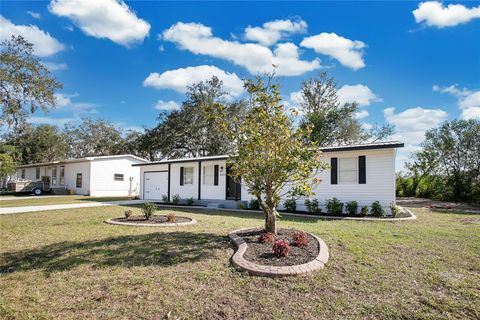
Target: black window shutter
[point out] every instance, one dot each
(333, 171)
(215, 175)
(362, 175)
(181, 176)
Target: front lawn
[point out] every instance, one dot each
(68, 264)
(46, 200)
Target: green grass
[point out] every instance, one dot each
(68, 264)
(40, 200)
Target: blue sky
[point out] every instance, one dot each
(408, 63)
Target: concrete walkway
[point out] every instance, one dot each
(31, 197)
(11, 210)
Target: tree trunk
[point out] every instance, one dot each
(271, 220)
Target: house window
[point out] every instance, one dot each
(62, 175)
(54, 176)
(208, 175)
(347, 170)
(37, 173)
(23, 174)
(118, 177)
(79, 180)
(188, 175)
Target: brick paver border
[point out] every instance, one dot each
(158, 225)
(275, 271)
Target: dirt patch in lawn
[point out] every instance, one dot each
(262, 253)
(158, 219)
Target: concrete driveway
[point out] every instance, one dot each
(11, 210)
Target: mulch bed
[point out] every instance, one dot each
(261, 253)
(154, 219)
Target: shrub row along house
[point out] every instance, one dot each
(94, 176)
(364, 173)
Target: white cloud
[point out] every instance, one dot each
(467, 100)
(78, 109)
(357, 93)
(362, 114)
(53, 66)
(348, 52)
(199, 39)
(110, 19)
(34, 14)
(167, 105)
(411, 124)
(182, 78)
(435, 14)
(271, 32)
(44, 44)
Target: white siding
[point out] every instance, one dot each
(102, 177)
(150, 168)
(211, 191)
(187, 190)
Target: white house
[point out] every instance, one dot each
(365, 173)
(94, 176)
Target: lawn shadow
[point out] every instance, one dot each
(160, 249)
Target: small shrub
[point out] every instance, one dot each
(394, 209)
(128, 214)
(300, 239)
(171, 217)
(266, 237)
(176, 199)
(351, 207)
(364, 211)
(190, 201)
(254, 205)
(290, 205)
(334, 206)
(164, 198)
(149, 209)
(376, 209)
(312, 206)
(281, 248)
(240, 205)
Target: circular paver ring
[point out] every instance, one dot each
(275, 271)
(158, 225)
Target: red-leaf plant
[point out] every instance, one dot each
(266, 237)
(281, 248)
(300, 239)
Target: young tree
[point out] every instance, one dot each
(333, 123)
(271, 158)
(25, 83)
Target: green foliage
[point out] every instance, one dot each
(7, 165)
(377, 209)
(290, 205)
(352, 207)
(271, 152)
(149, 209)
(176, 199)
(164, 198)
(190, 201)
(334, 206)
(27, 85)
(254, 205)
(448, 165)
(364, 211)
(333, 123)
(312, 206)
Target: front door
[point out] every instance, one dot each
(155, 185)
(234, 190)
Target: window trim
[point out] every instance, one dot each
(115, 178)
(355, 161)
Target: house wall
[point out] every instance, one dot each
(102, 182)
(71, 170)
(380, 181)
(150, 168)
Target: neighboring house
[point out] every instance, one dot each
(365, 173)
(94, 176)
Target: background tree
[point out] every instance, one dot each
(333, 123)
(270, 152)
(25, 83)
(188, 132)
(448, 165)
(94, 138)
